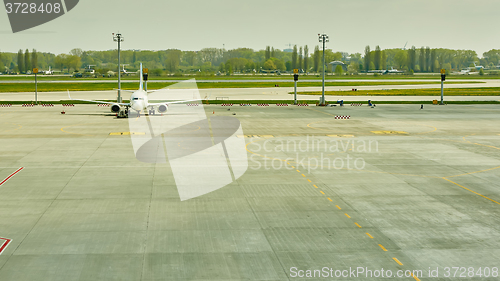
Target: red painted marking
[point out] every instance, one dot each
(5, 244)
(11, 175)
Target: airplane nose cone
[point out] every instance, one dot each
(137, 105)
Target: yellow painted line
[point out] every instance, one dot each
(293, 167)
(338, 207)
(369, 235)
(309, 180)
(330, 199)
(62, 129)
(435, 129)
(19, 127)
(322, 192)
(347, 215)
(297, 171)
(472, 191)
(357, 224)
(396, 260)
(385, 250)
(414, 277)
(315, 185)
(389, 132)
(303, 175)
(481, 171)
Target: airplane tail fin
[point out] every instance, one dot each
(141, 81)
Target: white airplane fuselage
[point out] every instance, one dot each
(139, 100)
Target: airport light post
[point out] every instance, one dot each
(295, 79)
(35, 71)
(323, 38)
(443, 77)
(118, 38)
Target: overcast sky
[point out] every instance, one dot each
(197, 24)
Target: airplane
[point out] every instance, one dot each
(48, 72)
(393, 70)
(138, 102)
(478, 67)
(124, 71)
(386, 71)
(464, 72)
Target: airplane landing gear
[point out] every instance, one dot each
(122, 113)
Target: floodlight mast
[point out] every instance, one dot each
(323, 38)
(118, 38)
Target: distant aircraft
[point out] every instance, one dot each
(478, 67)
(48, 72)
(138, 102)
(124, 71)
(464, 72)
(386, 71)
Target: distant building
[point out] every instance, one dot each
(287, 50)
(335, 63)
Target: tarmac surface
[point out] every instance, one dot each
(393, 187)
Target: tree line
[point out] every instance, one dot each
(245, 60)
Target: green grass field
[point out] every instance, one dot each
(91, 86)
(491, 91)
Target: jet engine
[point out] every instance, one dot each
(162, 108)
(115, 108)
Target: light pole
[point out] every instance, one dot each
(118, 38)
(323, 38)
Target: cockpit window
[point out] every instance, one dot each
(136, 98)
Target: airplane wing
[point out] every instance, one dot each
(171, 102)
(96, 101)
(130, 91)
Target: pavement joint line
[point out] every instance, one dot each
(55, 199)
(347, 215)
(357, 224)
(368, 171)
(338, 207)
(322, 192)
(385, 250)
(274, 251)
(396, 260)
(472, 191)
